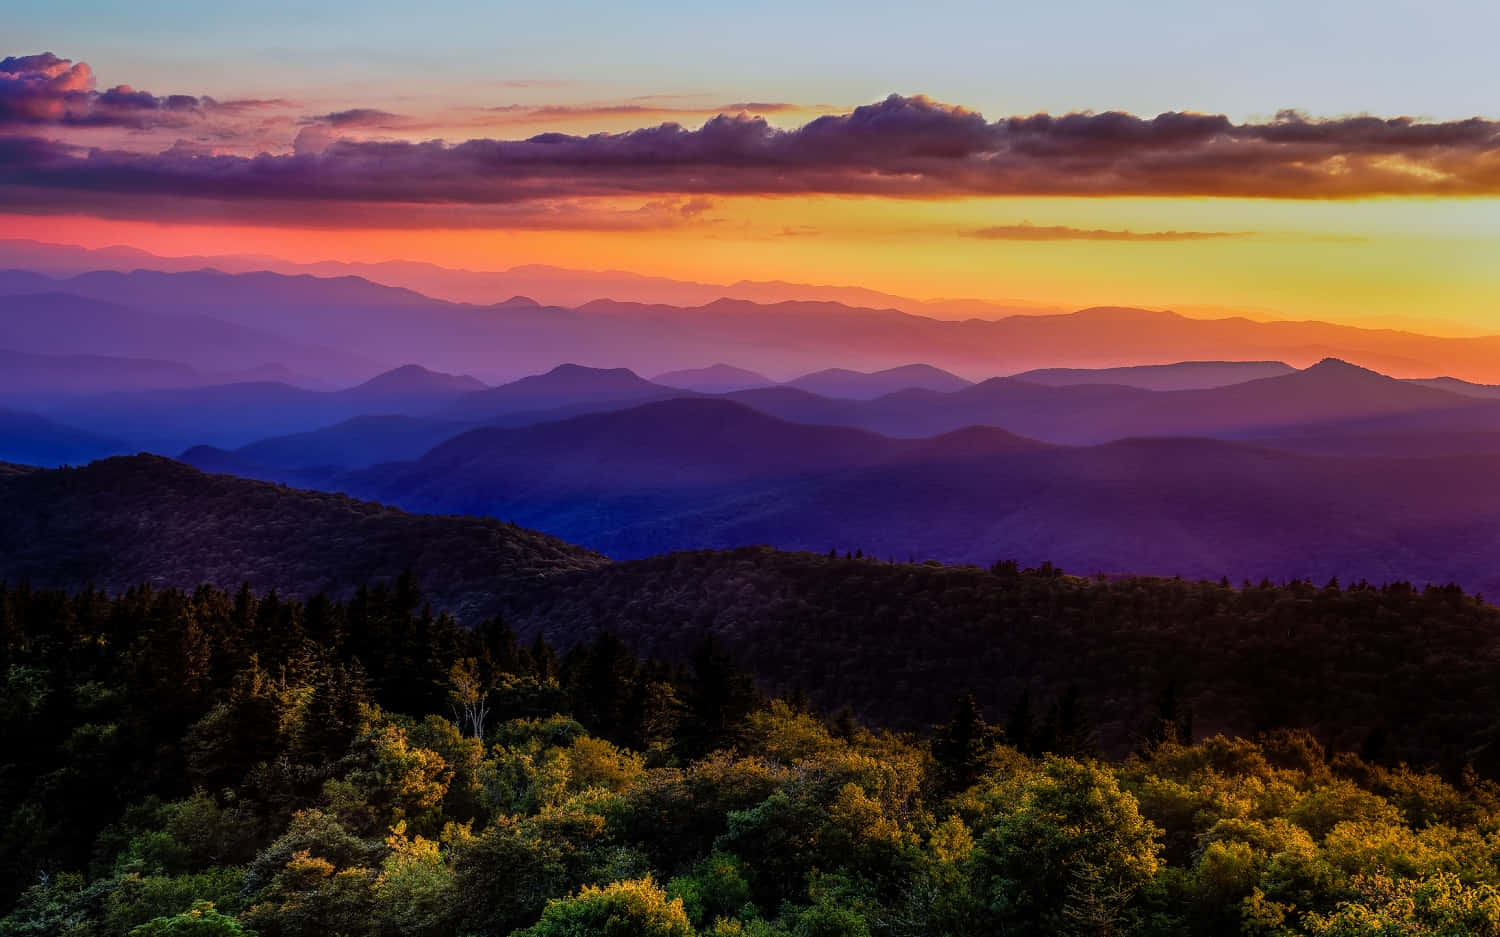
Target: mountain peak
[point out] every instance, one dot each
(716, 378)
(414, 377)
(571, 370)
(861, 385)
(1338, 367)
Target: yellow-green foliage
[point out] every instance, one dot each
(315, 800)
(621, 909)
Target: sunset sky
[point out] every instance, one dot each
(1323, 159)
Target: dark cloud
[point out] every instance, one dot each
(45, 89)
(902, 147)
(1031, 232)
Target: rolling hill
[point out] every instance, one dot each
(125, 521)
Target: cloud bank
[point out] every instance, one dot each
(901, 147)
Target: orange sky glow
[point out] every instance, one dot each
(1373, 220)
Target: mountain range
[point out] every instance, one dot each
(553, 286)
(167, 421)
(1334, 396)
(343, 329)
(699, 471)
(1244, 458)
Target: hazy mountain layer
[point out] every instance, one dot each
(709, 473)
(371, 325)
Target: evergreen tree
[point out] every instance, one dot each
(960, 746)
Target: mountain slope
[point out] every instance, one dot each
(410, 382)
(355, 443)
(125, 521)
(29, 439)
(665, 445)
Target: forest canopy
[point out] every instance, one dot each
(219, 763)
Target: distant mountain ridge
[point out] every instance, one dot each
(1467, 388)
(232, 415)
(557, 286)
(1330, 391)
(59, 323)
(710, 473)
(375, 326)
(1183, 375)
(857, 385)
(25, 374)
(1331, 397)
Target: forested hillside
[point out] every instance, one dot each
(1395, 668)
(1407, 670)
(124, 521)
(214, 764)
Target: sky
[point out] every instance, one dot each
(1307, 159)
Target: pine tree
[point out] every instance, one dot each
(959, 748)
